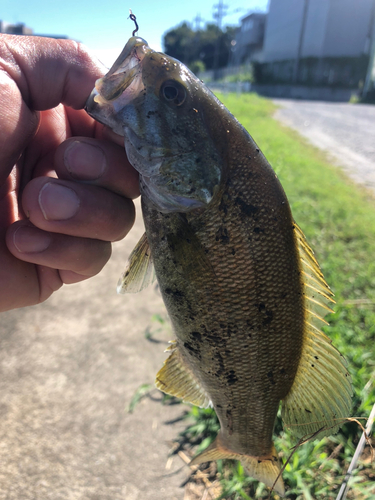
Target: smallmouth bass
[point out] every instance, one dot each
(244, 292)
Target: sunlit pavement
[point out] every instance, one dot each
(345, 131)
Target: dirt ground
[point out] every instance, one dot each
(69, 369)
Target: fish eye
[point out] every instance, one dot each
(174, 92)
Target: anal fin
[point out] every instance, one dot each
(265, 469)
(177, 379)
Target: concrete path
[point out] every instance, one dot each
(345, 131)
(68, 370)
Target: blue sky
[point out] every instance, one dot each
(105, 27)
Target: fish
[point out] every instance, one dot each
(242, 287)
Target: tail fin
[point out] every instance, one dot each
(265, 469)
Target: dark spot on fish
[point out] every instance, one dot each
(218, 406)
(313, 366)
(308, 411)
(223, 207)
(316, 357)
(270, 376)
(268, 314)
(218, 357)
(222, 235)
(198, 160)
(231, 377)
(258, 230)
(197, 336)
(257, 150)
(175, 293)
(246, 208)
(269, 317)
(222, 325)
(275, 459)
(282, 371)
(233, 251)
(259, 461)
(193, 351)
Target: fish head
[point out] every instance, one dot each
(158, 105)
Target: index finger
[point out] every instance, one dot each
(37, 74)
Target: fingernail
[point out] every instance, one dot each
(85, 161)
(58, 202)
(30, 239)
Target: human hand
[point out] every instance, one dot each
(65, 187)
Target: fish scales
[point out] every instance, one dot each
(249, 306)
(244, 292)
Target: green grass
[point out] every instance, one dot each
(338, 219)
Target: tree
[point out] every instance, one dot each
(189, 46)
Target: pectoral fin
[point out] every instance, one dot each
(265, 469)
(320, 398)
(139, 271)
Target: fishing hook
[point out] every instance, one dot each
(133, 18)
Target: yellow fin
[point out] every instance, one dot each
(264, 469)
(139, 271)
(320, 397)
(176, 379)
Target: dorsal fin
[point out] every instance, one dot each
(139, 271)
(320, 397)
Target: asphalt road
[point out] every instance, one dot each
(345, 131)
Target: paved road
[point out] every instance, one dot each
(68, 369)
(345, 131)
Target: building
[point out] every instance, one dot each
(14, 29)
(318, 42)
(21, 29)
(248, 43)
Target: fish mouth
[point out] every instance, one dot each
(120, 86)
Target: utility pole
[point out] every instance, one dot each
(197, 19)
(218, 15)
(370, 67)
(300, 43)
